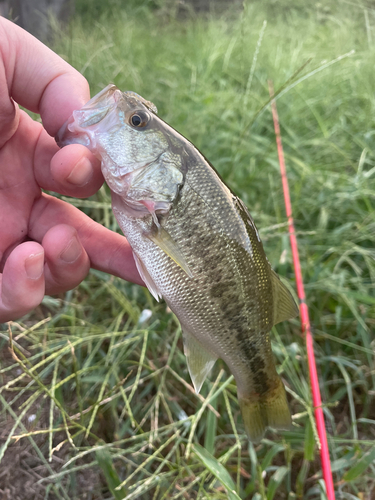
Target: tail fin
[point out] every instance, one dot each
(270, 410)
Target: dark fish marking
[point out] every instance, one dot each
(240, 328)
(222, 289)
(255, 362)
(258, 363)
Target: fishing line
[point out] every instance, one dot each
(304, 312)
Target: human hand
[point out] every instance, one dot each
(46, 245)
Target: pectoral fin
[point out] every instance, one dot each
(149, 282)
(163, 240)
(199, 360)
(285, 306)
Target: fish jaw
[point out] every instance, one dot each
(78, 129)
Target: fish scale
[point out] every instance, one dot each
(224, 294)
(195, 245)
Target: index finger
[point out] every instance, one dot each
(39, 79)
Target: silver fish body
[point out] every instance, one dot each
(195, 244)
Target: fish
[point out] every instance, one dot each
(195, 245)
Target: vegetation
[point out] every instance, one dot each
(96, 397)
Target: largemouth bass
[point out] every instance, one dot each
(195, 244)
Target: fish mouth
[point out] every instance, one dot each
(95, 110)
(60, 137)
(65, 136)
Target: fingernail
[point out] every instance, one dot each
(72, 251)
(81, 173)
(34, 265)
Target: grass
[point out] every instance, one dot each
(96, 399)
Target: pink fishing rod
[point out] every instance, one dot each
(304, 312)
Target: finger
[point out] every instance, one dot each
(107, 251)
(77, 169)
(22, 281)
(8, 109)
(18, 188)
(67, 263)
(38, 78)
(9, 115)
(73, 170)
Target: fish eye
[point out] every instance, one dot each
(139, 119)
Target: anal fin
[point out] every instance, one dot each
(199, 360)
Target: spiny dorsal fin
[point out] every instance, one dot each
(199, 360)
(163, 240)
(284, 304)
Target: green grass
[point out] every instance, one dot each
(115, 414)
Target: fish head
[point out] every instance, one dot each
(134, 146)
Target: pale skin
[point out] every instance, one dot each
(46, 245)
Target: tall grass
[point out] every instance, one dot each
(109, 388)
